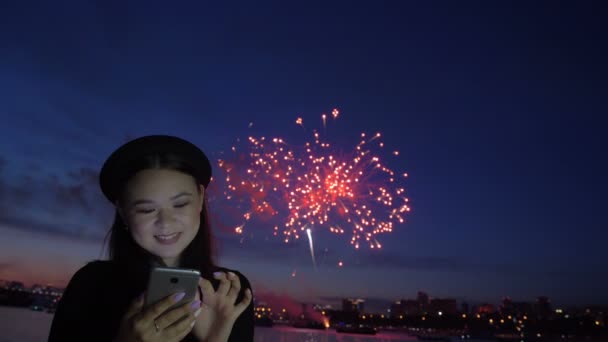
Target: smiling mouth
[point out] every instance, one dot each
(168, 238)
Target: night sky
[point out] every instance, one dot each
(497, 111)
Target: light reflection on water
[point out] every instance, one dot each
(288, 334)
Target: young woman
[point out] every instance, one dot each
(157, 185)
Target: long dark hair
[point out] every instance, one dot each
(125, 252)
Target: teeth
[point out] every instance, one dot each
(166, 237)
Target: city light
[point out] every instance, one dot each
(327, 317)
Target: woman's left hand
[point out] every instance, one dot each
(219, 309)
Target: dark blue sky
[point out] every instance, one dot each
(497, 110)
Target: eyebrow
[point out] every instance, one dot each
(143, 201)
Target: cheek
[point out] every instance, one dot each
(135, 218)
(191, 217)
(139, 224)
(139, 227)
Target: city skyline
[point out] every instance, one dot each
(422, 304)
(497, 112)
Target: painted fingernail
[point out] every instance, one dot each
(178, 296)
(217, 274)
(231, 274)
(196, 304)
(197, 312)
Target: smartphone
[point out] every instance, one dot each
(165, 281)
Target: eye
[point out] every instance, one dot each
(182, 205)
(144, 211)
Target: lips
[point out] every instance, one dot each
(166, 236)
(167, 239)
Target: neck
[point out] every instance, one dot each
(171, 262)
(165, 262)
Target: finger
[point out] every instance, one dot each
(224, 283)
(171, 317)
(135, 306)
(206, 288)
(198, 293)
(178, 331)
(157, 309)
(244, 303)
(235, 287)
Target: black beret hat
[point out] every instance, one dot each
(119, 166)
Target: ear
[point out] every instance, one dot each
(202, 197)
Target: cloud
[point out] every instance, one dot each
(63, 230)
(457, 264)
(69, 205)
(5, 266)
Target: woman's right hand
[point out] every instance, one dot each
(141, 326)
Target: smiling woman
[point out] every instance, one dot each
(161, 223)
(157, 185)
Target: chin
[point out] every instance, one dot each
(169, 253)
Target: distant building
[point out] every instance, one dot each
(322, 307)
(485, 309)
(412, 307)
(543, 307)
(423, 301)
(507, 307)
(262, 310)
(445, 306)
(283, 315)
(405, 307)
(522, 308)
(15, 286)
(353, 305)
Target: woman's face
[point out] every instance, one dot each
(162, 210)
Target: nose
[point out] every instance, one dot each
(165, 219)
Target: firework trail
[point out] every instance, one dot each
(312, 250)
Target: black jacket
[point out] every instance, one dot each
(99, 294)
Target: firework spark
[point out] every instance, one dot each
(315, 185)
